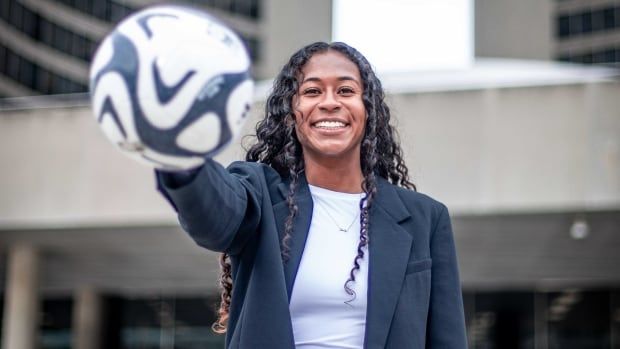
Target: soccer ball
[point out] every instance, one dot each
(170, 85)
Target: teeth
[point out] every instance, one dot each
(330, 124)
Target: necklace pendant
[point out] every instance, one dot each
(342, 230)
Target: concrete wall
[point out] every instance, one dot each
(514, 29)
(59, 170)
(515, 149)
(290, 25)
(493, 150)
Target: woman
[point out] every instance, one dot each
(326, 243)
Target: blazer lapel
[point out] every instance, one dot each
(389, 246)
(301, 226)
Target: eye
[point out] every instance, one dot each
(347, 91)
(311, 91)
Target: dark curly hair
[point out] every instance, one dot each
(277, 146)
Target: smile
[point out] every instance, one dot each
(330, 124)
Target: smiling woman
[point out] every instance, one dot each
(330, 119)
(322, 232)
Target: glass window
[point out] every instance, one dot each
(44, 81)
(503, 320)
(12, 65)
(563, 28)
(610, 55)
(91, 46)
(614, 311)
(75, 87)
(63, 85)
(100, 9)
(83, 5)
(564, 58)
(586, 22)
(5, 9)
(62, 39)
(255, 8)
(46, 32)
(57, 84)
(118, 11)
(598, 21)
(80, 87)
(576, 58)
(574, 24)
(2, 58)
(578, 319)
(609, 18)
(232, 6)
(78, 47)
(15, 15)
(598, 57)
(162, 322)
(56, 324)
(26, 73)
(30, 23)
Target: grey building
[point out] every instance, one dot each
(46, 45)
(580, 31)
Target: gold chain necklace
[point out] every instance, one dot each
(336, 223)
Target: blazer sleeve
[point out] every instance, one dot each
(218, 207)
(446, 323)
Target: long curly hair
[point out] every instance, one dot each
(277, 146)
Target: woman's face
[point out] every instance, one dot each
(330, 116)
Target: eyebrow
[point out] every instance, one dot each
(341, 78)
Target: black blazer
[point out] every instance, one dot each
(414, 295)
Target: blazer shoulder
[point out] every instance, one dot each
(419, 203)
(261, 174)
(256, 169)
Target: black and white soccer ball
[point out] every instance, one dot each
(170, 85)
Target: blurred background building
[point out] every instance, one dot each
(523, 147)
(46, 45)
(580, 31)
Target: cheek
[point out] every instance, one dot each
(299, 129)
(298, 104)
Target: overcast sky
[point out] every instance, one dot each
(404, 35)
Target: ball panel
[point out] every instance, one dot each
(194, 137)
(102, 57)
(237, 112)
(172, 163)
(112, 104)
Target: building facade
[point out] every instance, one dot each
(46, 45)
(579, 31)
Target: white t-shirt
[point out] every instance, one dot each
(320, 316)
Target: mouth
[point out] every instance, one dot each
(330, 124)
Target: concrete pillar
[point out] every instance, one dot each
(21, 303)
(87, 318)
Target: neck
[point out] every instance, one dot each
(335, 174)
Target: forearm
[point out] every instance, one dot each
(219, 208)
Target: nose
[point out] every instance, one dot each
(329, 103)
